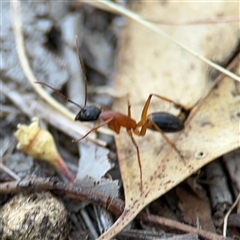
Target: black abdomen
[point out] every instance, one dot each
(166, 122)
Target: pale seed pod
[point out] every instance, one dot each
(39, 143)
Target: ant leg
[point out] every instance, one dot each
(147, 103)
(129, 109)
(136, 146)
(178, 105)
(93, 130)
(167, 140)
(138, 156)
(144, 111)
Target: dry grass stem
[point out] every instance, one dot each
(17, 23)
(154, 28)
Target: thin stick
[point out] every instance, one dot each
(204, 21)
(114, 205)
(9, 172)
(227, 215)
(23, 59)
(20, 45)
(154, 28)
(197, 106)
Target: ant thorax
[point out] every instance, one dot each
(88, 114)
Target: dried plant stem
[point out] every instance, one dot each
(154, 28)
(227, 215)
(216, 20)
(114, 205)
(17, 24)
(9, 172)
(153, 219)
(197, 106)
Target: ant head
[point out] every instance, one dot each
(88, 113)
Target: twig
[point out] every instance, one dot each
(154, 28)
(114, 205)
(32, 183)
(227, 215)
(17, 24)
(217, 20)
(214, 20)
(180, 226)
(52, 116)
(154, 235)
(89, 223)
(9, 172)
(215, 83)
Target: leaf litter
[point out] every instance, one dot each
(138, 72)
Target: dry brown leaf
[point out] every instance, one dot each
(196, 211)
(149, 64)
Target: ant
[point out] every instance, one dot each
(157, 121)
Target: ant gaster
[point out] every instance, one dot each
(157, 121)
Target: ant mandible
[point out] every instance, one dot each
(157, 121)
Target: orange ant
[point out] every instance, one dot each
(157, 121)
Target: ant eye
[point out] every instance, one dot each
(87, 113)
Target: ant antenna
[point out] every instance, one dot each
(82, 68)
(84, 78)
(59, 93)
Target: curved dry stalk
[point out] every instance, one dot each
(17, 24)
(154, 28)
(9, 172)
(194, 22)
(197, 106)
(227, 215)
(114, 205)
(214, 20)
